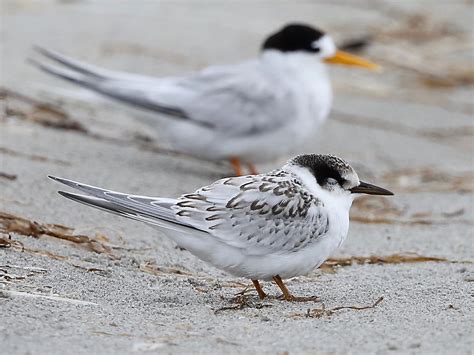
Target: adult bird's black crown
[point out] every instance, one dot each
(294, 37)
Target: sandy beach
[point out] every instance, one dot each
(81, 281)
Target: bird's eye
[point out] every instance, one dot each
(331, 181)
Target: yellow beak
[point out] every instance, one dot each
(349, 59)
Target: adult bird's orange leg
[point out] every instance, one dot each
(261, 293)
(252, 169)
(288, 296)
(235, 162)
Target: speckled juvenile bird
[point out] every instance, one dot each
(271, 226)
(248, 112)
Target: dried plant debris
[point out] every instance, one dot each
(242, 300)
(328, 312)
(209, 284)
(7, 176)
(48, 297)
(96, 270)
(455, 76)
(405, 258)
(45, 253)
(456, 213)
(415, 39)
(10, 223)
(419, 29)
(8, 242)
(430, 180)
(151, 267)
(45, 114)
(30, 271)
(33, 157)
(449, 133)
(442, 73)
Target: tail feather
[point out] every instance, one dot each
(73, 64)
(68, 75)
(151, 206)
(110, 207)
(112, 84)
(155, 211)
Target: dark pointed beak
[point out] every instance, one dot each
(369, 189)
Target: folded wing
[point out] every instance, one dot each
(240, 99)
(259, 214)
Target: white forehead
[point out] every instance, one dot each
(352, 179)
(328, 48)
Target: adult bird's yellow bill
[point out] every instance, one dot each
(344, 58)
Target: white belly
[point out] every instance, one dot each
(263, 267)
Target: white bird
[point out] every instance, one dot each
(271, 226)
(242, 112)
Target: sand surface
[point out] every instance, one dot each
(104, 284)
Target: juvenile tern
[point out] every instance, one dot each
(242, 112)
(271, 226)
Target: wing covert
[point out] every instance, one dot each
(260, 214)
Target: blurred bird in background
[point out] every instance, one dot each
(247, 113)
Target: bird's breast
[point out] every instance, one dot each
(315, 94)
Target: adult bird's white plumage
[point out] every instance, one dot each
(270, 226)
(243, 112)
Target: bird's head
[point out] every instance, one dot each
(304, 38)
(332, 176)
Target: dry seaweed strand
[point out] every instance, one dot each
(243, 300)
(416, 29)
(5, 275)
(150, 267)
(49, 297)
(13, 224)
(328, 312)
(10, 243)
(39, 112)
(406, 258)
(34, 157)
(383, 220)
(8, 176)
(46, 253)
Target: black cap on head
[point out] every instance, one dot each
(324, 167)
(294, 37)
(329, 170)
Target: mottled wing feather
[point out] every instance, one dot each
(261, 214)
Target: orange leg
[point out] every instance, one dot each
(287, 296)
(235, 162)
(252, 169)
(261, 293)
